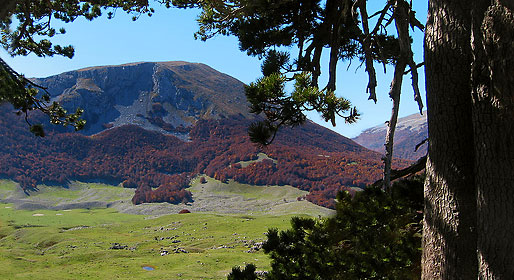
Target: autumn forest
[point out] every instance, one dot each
(160, 166)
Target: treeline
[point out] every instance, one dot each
(160, 166)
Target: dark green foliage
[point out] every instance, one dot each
(248, 273)
(25, 97)
(274, 62)
(37, 130)
(261, 132)
(374, 235)
(268, 96)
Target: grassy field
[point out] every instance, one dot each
(79, 243)
(233, 197)
(260, 157)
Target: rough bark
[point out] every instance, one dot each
(493, 122)
(448, 226)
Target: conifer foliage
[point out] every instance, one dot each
(342, 29)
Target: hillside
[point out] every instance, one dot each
(159, 164)
(410, 131)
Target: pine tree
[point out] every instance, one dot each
(375, 234)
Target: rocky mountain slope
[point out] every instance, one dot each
(410, 131)
(161, 96)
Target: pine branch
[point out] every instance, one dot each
(418, 166)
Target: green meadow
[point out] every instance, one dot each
(104, 243)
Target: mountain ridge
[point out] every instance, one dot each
(410, 131)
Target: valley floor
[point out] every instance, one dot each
(53, 235)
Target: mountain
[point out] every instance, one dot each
(410, 131)
(160, 96)
(154, 126)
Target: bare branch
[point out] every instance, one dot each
(401, 20)
(417, 66)
(366, 44)
(316, 67)
(394, 93)
(415, 83)
(420, 144)
(382, 13)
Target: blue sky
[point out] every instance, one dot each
(168, 36)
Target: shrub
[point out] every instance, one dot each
(248, 273)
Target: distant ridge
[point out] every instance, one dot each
(168, 63)
(410, 131)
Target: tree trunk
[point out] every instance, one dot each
(391, 126)
(334, 18)
(401, 20)
(449, 237)
(493, 123)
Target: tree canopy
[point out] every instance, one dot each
(340, 28)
